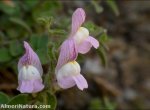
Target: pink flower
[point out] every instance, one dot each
(69, 75)
(80, 34)
(79, 40)
(30, 72)
(67, 69)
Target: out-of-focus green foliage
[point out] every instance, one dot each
(97, 104)
(20, 22)
(4, 55)
(4, 98)
(16, 100)
(113, 6)
(110, 3)
(47, 98)
(98, 8)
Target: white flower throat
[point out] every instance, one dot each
(29, 72)
(81, 35)
(69, 69)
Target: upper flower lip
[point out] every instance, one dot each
(30, 58)
(68, 52)
(78, 19)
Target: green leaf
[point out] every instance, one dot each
(102, 55)
(34, 41)
(29, 4)
(7, 9)
(15, 48)
(42, 53)
(104, 37)
(96, 104)
(19, 99)
(39, 42)
(21, 23)
(109, 105)
(4, 55)
(113, 6)
(98, 8)
(57, 32)
(47, 8)
(46, 98)
(42, 42)
(3, 98)
(93, 29)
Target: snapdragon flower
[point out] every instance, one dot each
(80, 34)
(69, 75)
(30, 72)
(79, 41)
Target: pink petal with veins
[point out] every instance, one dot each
(68, 52)
(30, 58)
(78, 18)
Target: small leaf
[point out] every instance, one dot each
(42, 53)
(15, 48)
(8, 9)
(104, 37)
(47, 8)
(93, 29)
(3, 98)
(102, 55)
(19, 99)
(21, 23)
(4, 55)
(42, 42)
(46, 98)
(113, 6)
(29, 4)
(98, 8)
(57, 32)
(39, 42)
(34, 41)
(96, 104)
(109, 105)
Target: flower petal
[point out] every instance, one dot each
(93, 41)
(30, 86)
(80, 82)
(66, 82)
(29, 73)
(38, 85)
(78, 18)
(84, 47)
(30, 58)
(25, 86)
(68, 52)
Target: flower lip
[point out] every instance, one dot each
(68, 52)
(69, 69)
(78, 19)
(69, 75)
(81, 35)
(29, 72)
